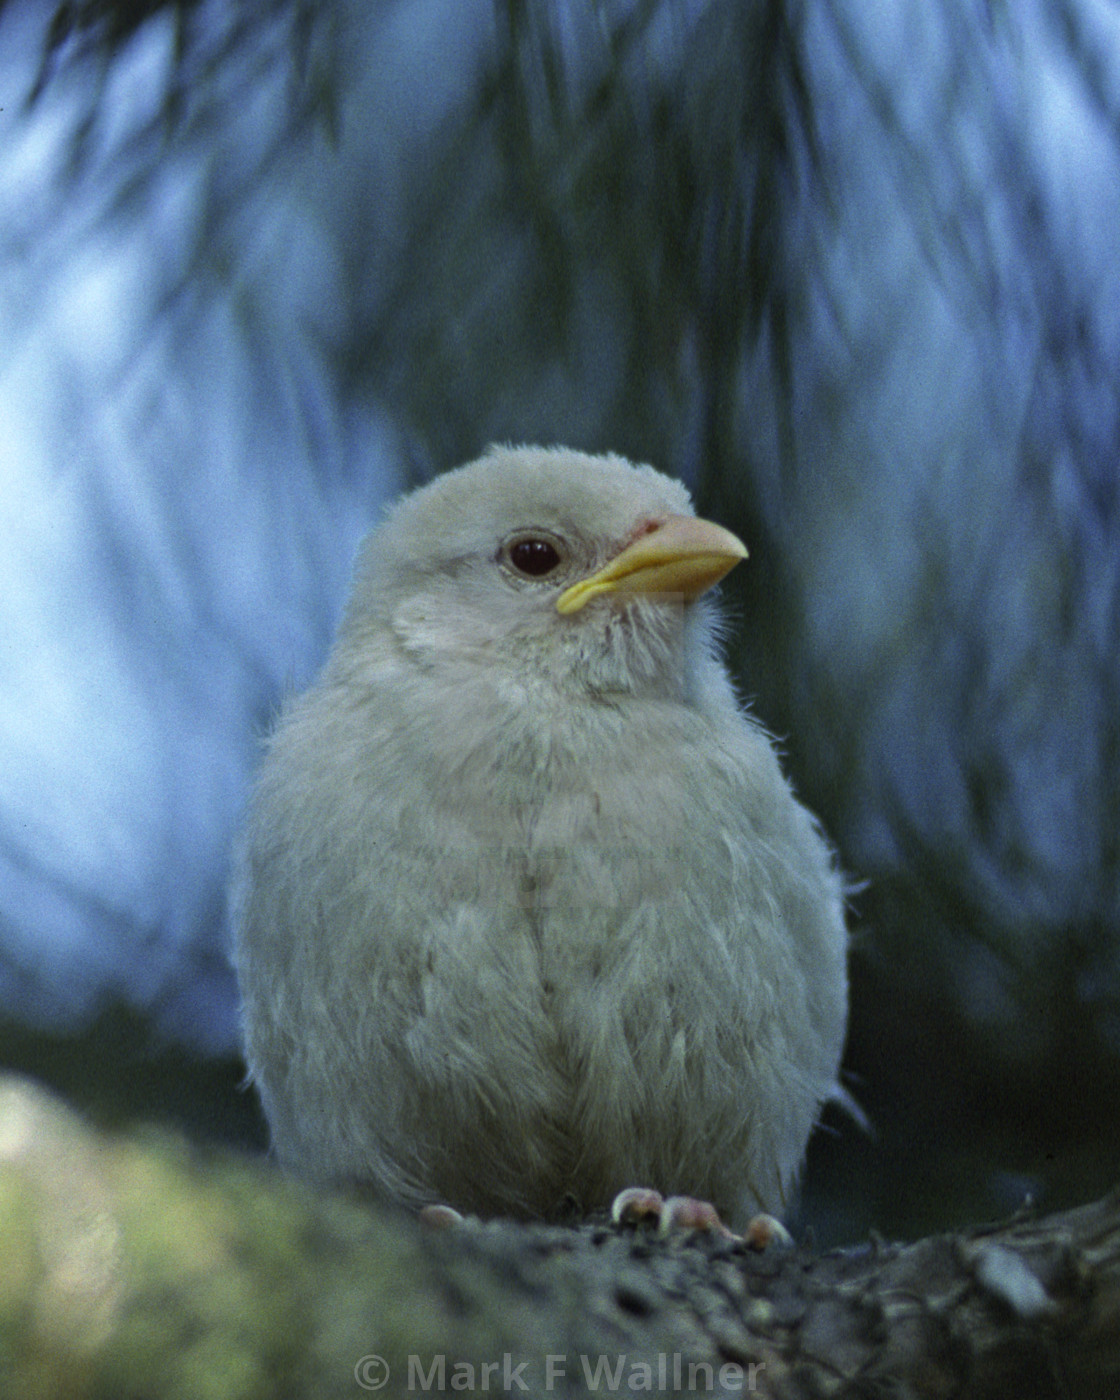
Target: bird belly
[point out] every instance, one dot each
(599, 1069)
(568, 986)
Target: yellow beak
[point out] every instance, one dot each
(682, 556)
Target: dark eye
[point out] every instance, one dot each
(532, 555)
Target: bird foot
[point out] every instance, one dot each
(640, 1204)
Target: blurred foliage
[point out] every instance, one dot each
(625, 239)
(98, 28)
(595, 248)
(122, 1072)
(219, 58)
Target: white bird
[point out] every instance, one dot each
(527, 911)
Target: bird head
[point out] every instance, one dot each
(553, 567)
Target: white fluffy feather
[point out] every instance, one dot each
(527, 910)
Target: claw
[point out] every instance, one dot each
(688, 1213)
(766, 1230)
(635, 1205)
(638, 1205)
(440, 1217)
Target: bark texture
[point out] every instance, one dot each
(134, 1266)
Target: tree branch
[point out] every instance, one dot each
(134, 1265)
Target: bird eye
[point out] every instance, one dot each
(533, 556)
